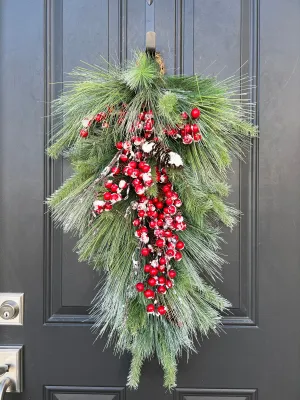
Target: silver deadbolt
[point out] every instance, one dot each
(9, 310)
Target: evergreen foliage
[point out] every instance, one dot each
(108, 243)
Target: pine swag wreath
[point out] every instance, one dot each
(150, 154)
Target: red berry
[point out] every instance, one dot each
(123, 158)
(195, 113)
(147, 268)
(161, 268)
(161, 289)
(170, 253)
(197, 137)
(159, 205)
(178, 256)
(160, 243)
(114, 187)
(115, 170)
(141, 213)
(146, 168)
(160, 222)
(144, 229)
(150, 308)
(169, 202)
(132, 164)
(142, 116)
(140, 287)
(148, 126)
(119, 145)
(177, 203)
(108, 184)
(108, 207)
(145, 252)
(149, 294)
(148, 183)
(153, 271)
(138, 155)
(151, 281)
(172, 210)
(100, 117)
(128, 171)
(166, 188)
(180, 245)
(172, 273)
(161, 310)
(143, 198)
(168, 234)
(136, 181)
(84, 133)
(116, 197)
(107, 196)
(169, 283)
(135, 172)
(138, 232)
(161, 280)
(187, 129)
(162, 261)
(154, 214)
(139, 189)
(195, 129)
(152, 224)
(136, 222)
(184, 115)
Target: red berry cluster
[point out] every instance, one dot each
(87, 122)
(133, 166)
(189, 132)
(158, 219)
(144, 122)
(102, 119)
(130, 171)
(112, 196)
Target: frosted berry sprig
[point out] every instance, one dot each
(157, 221)
(188, 131)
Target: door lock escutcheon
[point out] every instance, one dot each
(11, 308)
(11, 373)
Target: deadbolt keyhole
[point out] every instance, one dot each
(9, 310)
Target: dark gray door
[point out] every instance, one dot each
(258, 355)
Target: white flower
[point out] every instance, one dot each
(175, 159)
(148, 147)
(86, 122)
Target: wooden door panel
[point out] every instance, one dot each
(215, 394)
(71, 284)
(83, 393)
